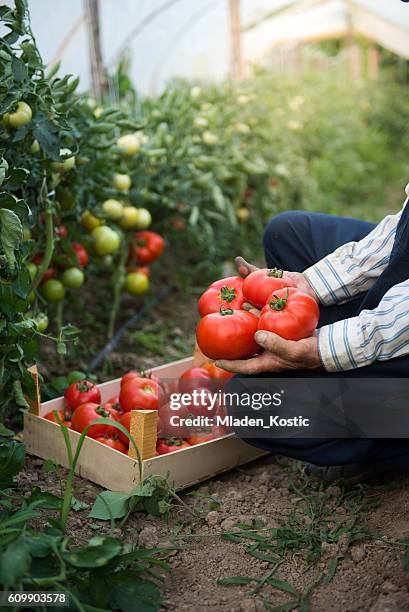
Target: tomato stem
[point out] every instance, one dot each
(279, 303)
(118, 282)
(49, 237)
(227, 294)
(275, 273)
(226, 311)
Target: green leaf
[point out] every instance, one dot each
(110, 504)
(133, 594)
(282, 585)
(61, 348)
(97, 554)
(14, 563)
(12, 456)
(11, 234)
(5, 432)
(19, 395)
(19, 69)
(3, 170)
(77, 505)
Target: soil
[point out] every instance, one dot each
(361, 571)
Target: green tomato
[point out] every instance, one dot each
(106, 242)
(41, 322)
(73, 278)
(67, 164)
(113, 209)
(129, 219)
(26, 233)
(122, 182)
(128, 144)
(32, 270)
(35, 147)
(53, 290)
(31, 297)
(144, 218)
(136, 283)
(21, 116)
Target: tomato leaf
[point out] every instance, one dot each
(11, 234)
(19, 69)
(97, 553)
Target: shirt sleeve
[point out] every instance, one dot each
(353, 268)
(374, 335)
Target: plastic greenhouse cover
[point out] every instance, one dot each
(191, 39)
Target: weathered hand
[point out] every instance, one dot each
(298, 279)
(280, 355)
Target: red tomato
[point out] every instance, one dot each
(125, 420)
(291, 314)
(228, 334)
(148, 246)
(174, 429)
(81, 253)
(217, 373)
(114, 407)
(202, 403)
(260, 284)
(199, 438)
(81, 392)
(227, 292)
(38, 258)
(61, 231)
(170, 446)
(49, 273)
(88, 412)
(139, 394)
(194, 378)
(113, 443)
(64, 416)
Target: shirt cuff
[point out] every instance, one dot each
(326, 282)
(340, 346)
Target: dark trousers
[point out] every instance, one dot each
(295, 241)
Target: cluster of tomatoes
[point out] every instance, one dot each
(226, 331)
(83, 406)
(66, 270)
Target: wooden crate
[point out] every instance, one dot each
(119, 472)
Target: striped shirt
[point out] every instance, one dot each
(374, 335)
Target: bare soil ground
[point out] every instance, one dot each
(309, 548)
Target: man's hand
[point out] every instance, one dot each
(279, 355)
(298, 279)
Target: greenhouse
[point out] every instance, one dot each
(204, 289)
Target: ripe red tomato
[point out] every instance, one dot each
(165, 426)
(114, 407)
(199, 438)
(148, 246)
(194, 378)
(227, 292)
(139, 394)
(61, 231)
(125, 420)
(291, 314)
(202, 403)
(49, 273)
(228, 334)
(88, 412)
(38, 258)
(260, 284)
(113, 443)
(171, 445)
(81, 253)
(217, 373)
(81, 392)
(64, 416)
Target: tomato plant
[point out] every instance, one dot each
(227, 292)
(228, 334)
(291, 314)
(258, 285)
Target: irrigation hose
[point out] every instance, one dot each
(115, 340)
